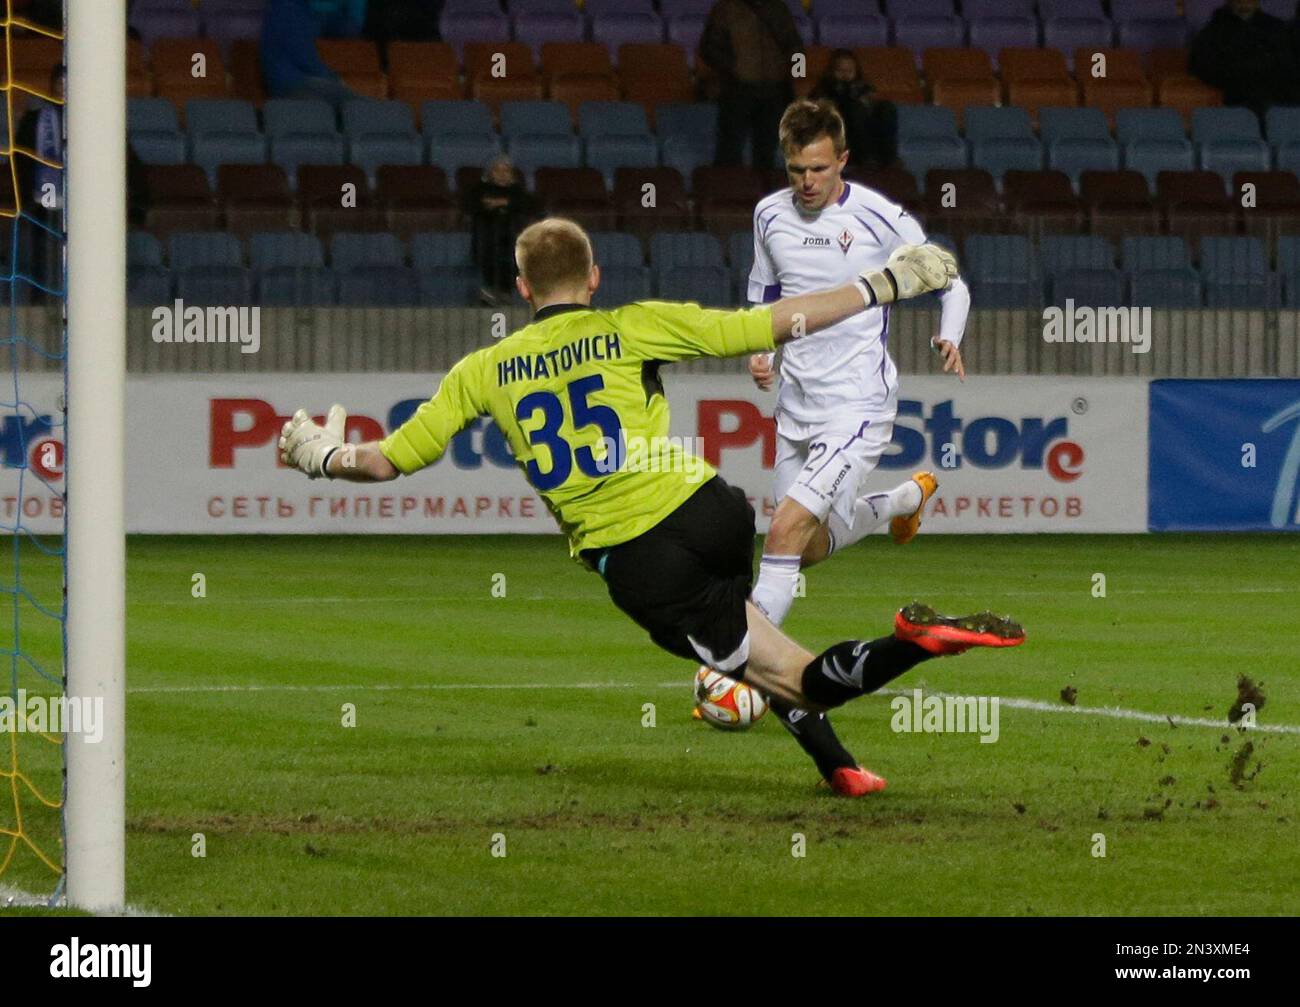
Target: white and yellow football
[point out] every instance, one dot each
(724, 703)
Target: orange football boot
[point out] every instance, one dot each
(854, 781)
(904, 529)
(944, 634)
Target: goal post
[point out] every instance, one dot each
(95, 812)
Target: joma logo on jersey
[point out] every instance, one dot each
(818, 242)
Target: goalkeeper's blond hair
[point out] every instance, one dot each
(553, 254)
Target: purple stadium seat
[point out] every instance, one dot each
(979, 10)
(850, 30)
(1198, 12)
(897, 9)
(538, 28)
(685, 30)
(457, 29)
(599, 8)
(1070, 33)
(994, 34)
(471, 7)
(1070, 8)
(1143, 10)
(921, 33)
(153, 23)
(538, 6)
(618, 29)
(1148, 35)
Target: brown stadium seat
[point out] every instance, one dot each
(892, 71)
(977, 206)
(1118, 203)
(139, 80)
(180, 199)
(174, 66)
(818, 59)
(654, 74)
(895, 183)
(1165, 63)
(356, 61)
(958, 95)
(481, 58)
(492, 91)
(671, 210)
(956, 64)
(246, 71)
(1277, 204)
(575, 59)
(255, 197)
(320, 198)
(1194, 204)
(1035, 94)
(467, 176)
(423, 71)
(1019, 64)
(414, 198)
(1187, 94)
(725, 197)
(573, 91)
(1112, 95)
(578, 193)
(1043, 202)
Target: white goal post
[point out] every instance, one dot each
(95, 812)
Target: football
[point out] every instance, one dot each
(724, 703)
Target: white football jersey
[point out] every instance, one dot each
(843, 370)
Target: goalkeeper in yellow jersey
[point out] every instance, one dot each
(578, 395)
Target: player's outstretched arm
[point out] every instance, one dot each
(317, 450)
(912, 270)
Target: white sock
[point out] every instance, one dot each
(872, 511)
(774, 592)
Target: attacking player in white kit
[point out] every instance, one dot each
(839, 390)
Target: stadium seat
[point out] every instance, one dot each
(892, 71)
(609, 153)
(1091, 287)
(614, 248)
(298, 116)
(575, 59)
(670, 206)
(379, 286)
(1276, 208)
(998, 124)
(321, 188)
(284, 249)
(688, 133)
(578, 193)
(1025, 65)
(440, 119)
(654, 74)
(180, 199)
(1151, 157)
(852, 30)
(975, 10)
(226, 25)
(245, 63)
(960, 95)
(434, 250)
(960, 200)
(1070, 34)
(927, 138)
(143, 249)
(414, 198)
(154, 23)
(622, 285)
(535, 118)
(154, 131)
(619, 29)
(1002, 154)
(725, 198)
(896, 9)
(706, 285)
(1042, 201)
(1151, 33)
(349, 250)
(1288, 254)
(1194, 204)
(612, 118)
(1118, 203)
(1229, 140)
(356, 61)
(532, 152)
(498, 61)
(422, 71)
(920, 32)
(1186, 94)
(457, 286)
(186, 249)
(1064, 252)
(684, 249)
(1165, 288)
(219, 286)
(255, 197)
(185, 69)
(147, 286)
(994, 34)
(223, 131)
(297, 286)
(740, 251)
(685, 30)
(291, 152)
(540, 27)
(381, 132)
(1154, 252)
(1070, 8)
(895, 183)
(1003, 271)
(1231, 257)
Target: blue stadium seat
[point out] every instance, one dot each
(186, 249)
(1228, 140)
(1061, 252)
(1291, 298)
(975, 10)
(1070, 8)
(1236, 273)
(220, 115)
(452, 152)
(928, 121)
(1263, 292)
(146, 286)
(1150, 157)
(379, 286)
(1210, 124)
(919, 8)
(533, 152)
(154, 132)
(352, 249)
(608, 153)
(450, 286)
(298, 116)
(1148, 124)
(622, 285)
(740, 250)
(1003, 271)
(1074, 157)
(612, 118)
(218, 286)
(616, 248)
(143, 249)
(688, 153)
(921, 154)
(1088, 287)
(370, 150)
(1139, 10)
(291, 286)
(434, 250)
(1007, 122)
(1003, 154)
(370, 116)
(535, 118)
(1227, 157)
(273, 249)
(291, 151)
(1165, 288)
(686, 119)
(1081, 268)
(456, 118)
(158, 148)
(211, 150)
(669, 249)
(1147, 252)
(1282, 124)
(707, 285)
(1288, 254)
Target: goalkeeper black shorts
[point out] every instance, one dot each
(686, 580)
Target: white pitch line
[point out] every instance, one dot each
(1011, 702)
(12, 897)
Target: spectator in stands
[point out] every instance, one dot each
(748, 44)
(402, 20)
(870, 124)
(498, 207)
(290, 64)
(1249, 55)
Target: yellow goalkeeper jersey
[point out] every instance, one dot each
(578, 396)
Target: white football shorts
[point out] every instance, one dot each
(823, 467)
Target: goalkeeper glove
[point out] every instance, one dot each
(307, 446)
(911, 270)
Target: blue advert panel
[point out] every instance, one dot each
(1225, 455)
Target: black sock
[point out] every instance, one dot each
(815, 735)
(856, 667)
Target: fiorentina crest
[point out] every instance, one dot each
(846, 239)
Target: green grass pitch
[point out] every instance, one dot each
(522, 716)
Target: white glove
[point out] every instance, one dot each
(911, 270)
(307, 446)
